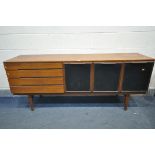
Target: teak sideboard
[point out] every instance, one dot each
(79, 74)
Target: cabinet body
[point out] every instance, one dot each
(42, 78)
(94, 74)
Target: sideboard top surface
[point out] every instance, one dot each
(112, 57)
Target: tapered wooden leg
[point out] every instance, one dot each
(126, 100)
(30, 98)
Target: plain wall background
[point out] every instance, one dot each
(57, 40)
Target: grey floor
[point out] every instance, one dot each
(77, 113)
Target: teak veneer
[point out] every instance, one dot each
(79, 74)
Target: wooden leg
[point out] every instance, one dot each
(126, 100)
(30, 98)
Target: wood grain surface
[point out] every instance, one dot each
(112, 57)
(31, 65)
(35, 81)
(35, 73)
(37, 89)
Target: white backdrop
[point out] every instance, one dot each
(50, 40)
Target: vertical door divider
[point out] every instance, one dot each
(121, 77)
(92, 72)
(64, 77)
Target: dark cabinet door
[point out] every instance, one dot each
(77, 77)
(106, 77)
(137, 76)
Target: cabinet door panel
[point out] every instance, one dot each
(106, 77)
(137, 76)
(77, 77)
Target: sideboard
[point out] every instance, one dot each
(79, 74)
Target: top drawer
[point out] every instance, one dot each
(32, 65)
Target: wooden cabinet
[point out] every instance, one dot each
(85, 74)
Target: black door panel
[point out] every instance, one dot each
(77, 77)
(137, 76)
(106, 77)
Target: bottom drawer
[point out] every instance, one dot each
(37, 89)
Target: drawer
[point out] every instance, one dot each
(36, 81)
(37, 89)
(35, 73)
(32, 65)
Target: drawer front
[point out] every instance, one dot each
(35, 73)
(33, 65)
(37, 89)
(36, 81)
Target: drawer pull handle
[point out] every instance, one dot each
(143, 69)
